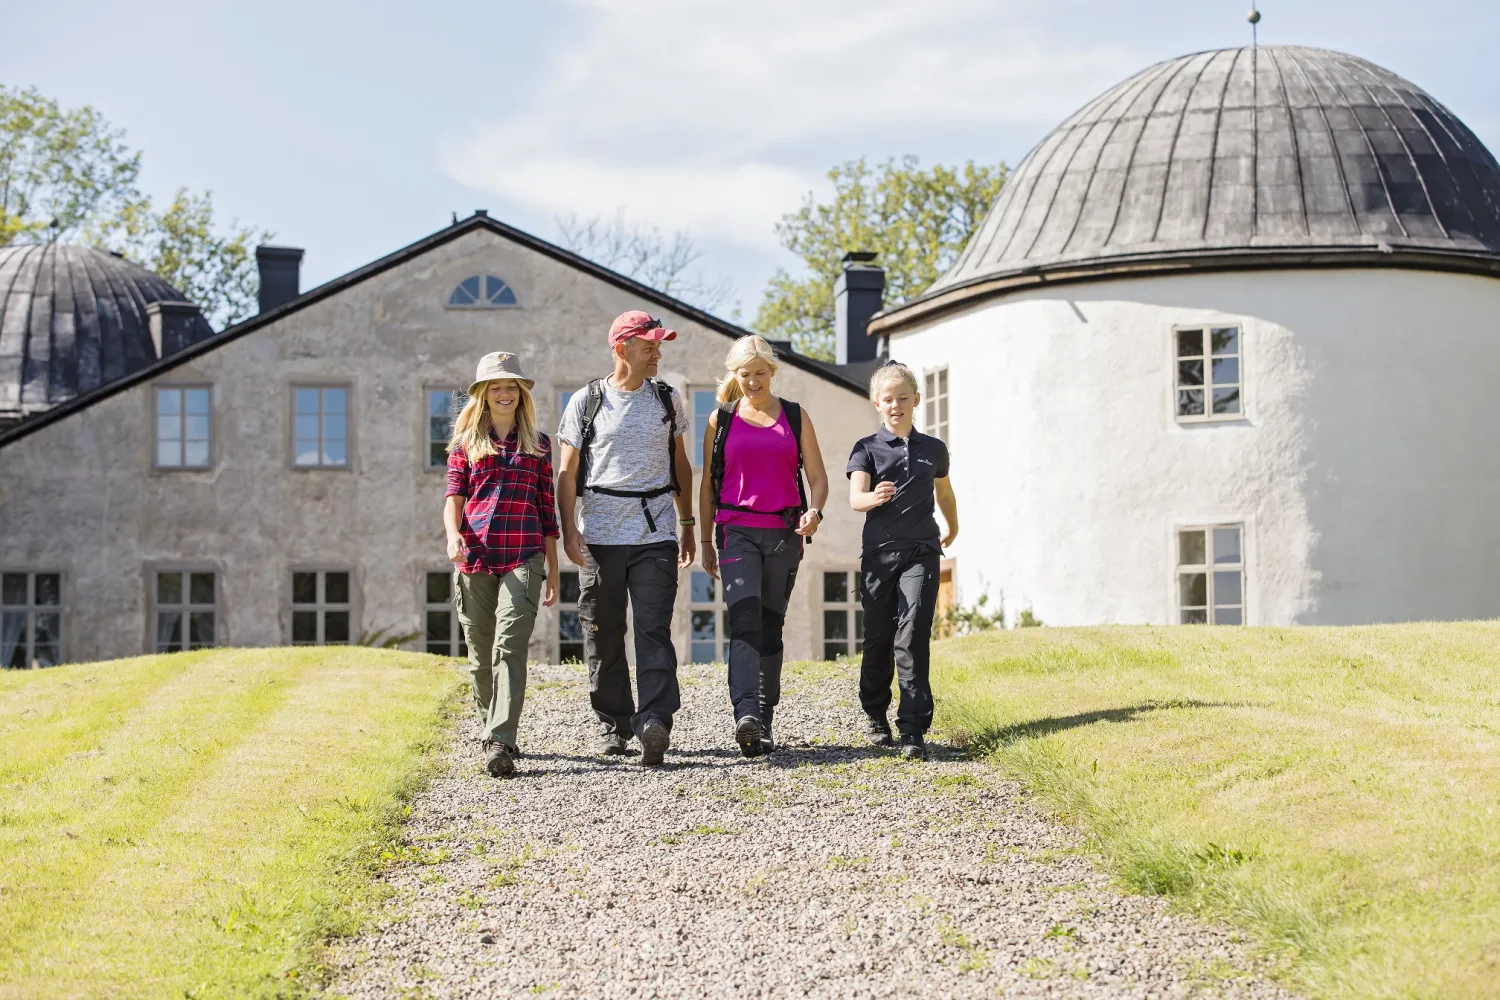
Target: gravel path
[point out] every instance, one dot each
(828, 869)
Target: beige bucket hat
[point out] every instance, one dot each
(496, 365)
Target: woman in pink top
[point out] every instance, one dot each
(756, 448)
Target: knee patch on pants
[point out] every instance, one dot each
(771, 625)
(744, 621)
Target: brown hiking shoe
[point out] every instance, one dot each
(497, 760)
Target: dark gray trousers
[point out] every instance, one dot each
(758, 567)
(645, 577)
(901, 588)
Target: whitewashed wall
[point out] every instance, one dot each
(1366, 468)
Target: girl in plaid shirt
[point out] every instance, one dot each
(500, 516)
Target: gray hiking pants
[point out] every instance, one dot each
(497, 614)
(645, 577)
(758, 567)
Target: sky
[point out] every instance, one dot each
(352, 130)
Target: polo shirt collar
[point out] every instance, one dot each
(886, 437)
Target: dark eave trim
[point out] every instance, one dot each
(970, 293)
(339, 284)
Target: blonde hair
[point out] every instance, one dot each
(471, 431)
(741, 353)
(892, 371)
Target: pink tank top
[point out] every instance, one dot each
(760, 471)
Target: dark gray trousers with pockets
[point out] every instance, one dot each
(901, 588)
(758, 568)
(645, 578)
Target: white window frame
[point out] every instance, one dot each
(569, 608)
(715, 607)
(181, 389)
(1209, 569)
(1208, 386)
(697, 427)
(321, 388)
(183, 608)
(30, 609)
(456, 645)
(935, 402)
(482, 300)
(457, 396)
(851, 608)
(321, 605)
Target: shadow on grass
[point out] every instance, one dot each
(992, 738)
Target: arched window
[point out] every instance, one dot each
(482, 292)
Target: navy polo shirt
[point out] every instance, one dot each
(912, 463)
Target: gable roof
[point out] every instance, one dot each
(480, 220)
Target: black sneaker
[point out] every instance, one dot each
(913, 747)
(497, 760)
(878, 732)
(615, 745)
(655, 739)
(747, 733)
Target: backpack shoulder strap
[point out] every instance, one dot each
(664, 396)
(721, 439)
(586, 429)
(793, 413)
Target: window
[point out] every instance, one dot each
(30, 620)
(442, 409)
(1211, 575)
(705, 402)
(186, 610)
(708, 624)
(321, 427)
(322, 607)
(183, 440)
(569, 625)
(843, 618)
(444, 636)
(935, 403)
(1208, 373)
(482, 292)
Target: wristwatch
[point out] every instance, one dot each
(687, 522)
(820, 512)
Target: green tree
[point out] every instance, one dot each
(916, 220)
(67, 174)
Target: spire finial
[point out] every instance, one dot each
(1254, 18)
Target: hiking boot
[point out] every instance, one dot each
(655, 738)
(513, 750)
(767, 744)
(913, 747)
(878, 732)
(497, 760)
(747, 733)
(615, 745)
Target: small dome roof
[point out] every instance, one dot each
(1245, 151)
(73, 318)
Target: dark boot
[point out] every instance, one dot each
(767, 743)
(747, 734)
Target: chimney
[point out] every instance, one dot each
(858, 293)
(174, 325)
(280, 275)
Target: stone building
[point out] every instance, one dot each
(281, 482)
(1223, 351)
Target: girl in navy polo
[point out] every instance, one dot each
(500, 516)
(897, 475)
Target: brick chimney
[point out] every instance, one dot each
(280, 275)
(858, 293)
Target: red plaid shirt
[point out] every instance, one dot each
(509, 505)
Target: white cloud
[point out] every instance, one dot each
(683, 111)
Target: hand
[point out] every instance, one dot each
(883, 493)
(687, 548)
(456, 549)
(549, 589)
(948, 538)
(573, 546)
(711, 561)
(809, 524)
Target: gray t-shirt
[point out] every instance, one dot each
(629, 452)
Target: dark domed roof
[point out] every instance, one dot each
(1218, 157)
(73, 318)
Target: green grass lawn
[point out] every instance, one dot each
(1334, 791)
(198, 824)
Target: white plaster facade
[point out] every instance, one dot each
(81, 495)
(1365, 468)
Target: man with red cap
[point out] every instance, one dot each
(622, 461)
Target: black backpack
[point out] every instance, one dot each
(793, 411)
(586, 438)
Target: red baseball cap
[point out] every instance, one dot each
(636, 323)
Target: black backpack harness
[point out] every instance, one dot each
(586, 438)
(727, 412)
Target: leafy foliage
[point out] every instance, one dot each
(959, 619)
(642, 252)
(916, 220)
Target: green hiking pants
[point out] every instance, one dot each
(497, 614)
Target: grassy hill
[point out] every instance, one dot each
(197, 824)
(1335, 791)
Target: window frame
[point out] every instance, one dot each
(482, 303)
(31, 608)
(291, 438)
(559, 609)
(721, 637)
(853, 608)
(695, 431)
(457, 642)
(932, 425)
(157, 388)
(154, 607)
(424, 433)
(1209, 568)
(321, 606)
(1208, 416)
